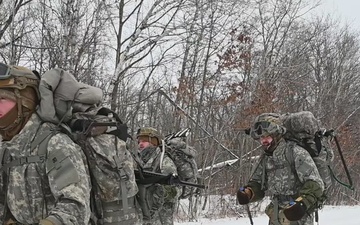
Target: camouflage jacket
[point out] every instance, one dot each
(275, 174)
(152, 162)
(57, 189)
(151, 158)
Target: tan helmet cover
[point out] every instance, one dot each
(149, 134)
(272, 126)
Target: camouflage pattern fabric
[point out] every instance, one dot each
(59, 192)
(107, 148)
(283, 185)
(105, 153)
(166, 213)
(151, 159)
(307, 220)
(183, 156)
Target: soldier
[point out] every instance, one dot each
(49, 188)
(111, 168)
(294, 192)
(102, 137)
(163, 198)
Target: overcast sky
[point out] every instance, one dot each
(346, 10)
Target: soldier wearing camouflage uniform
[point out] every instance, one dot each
(112, 173)
(114, 189)
(159, 207)
(294, 192)
(48, 189)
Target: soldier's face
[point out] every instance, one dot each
(5, 106)
(266, 141)
(144, 144)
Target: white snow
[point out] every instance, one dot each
(329, 215)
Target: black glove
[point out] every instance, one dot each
(295, 210)
(244, 195)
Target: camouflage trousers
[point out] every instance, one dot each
(166, 213)
(165, 216)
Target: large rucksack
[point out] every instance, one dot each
(102, 137)
(111, 173)
(183, 156)
(113, 194)
(305, 130)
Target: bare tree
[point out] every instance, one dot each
(151, 23)
(13, 28)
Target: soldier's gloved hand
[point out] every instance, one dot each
(170, 193)
(244, 195)
(295, 210)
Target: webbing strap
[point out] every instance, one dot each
(2, 153)
(123, 178)
(123, 189)
(40, 139)
(116, 205)
(263, 173)
(95, 202)
(276, 211)
(115, 212)
(34, 158)
(24, 160)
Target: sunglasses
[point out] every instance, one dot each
(4, 71)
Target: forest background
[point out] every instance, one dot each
(210, 65)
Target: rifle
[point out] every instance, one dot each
(146, 177)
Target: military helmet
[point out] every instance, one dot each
(20, 85)
(267, 124)
(150, 134)
(18, 77)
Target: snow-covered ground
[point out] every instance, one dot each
(329, 215)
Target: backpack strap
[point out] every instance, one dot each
(262, 161)
(41, 141)
(263, 174)
(289, 155)
(290, 158)
(123, 178)
(95, 201)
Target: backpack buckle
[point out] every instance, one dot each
(31, 159)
